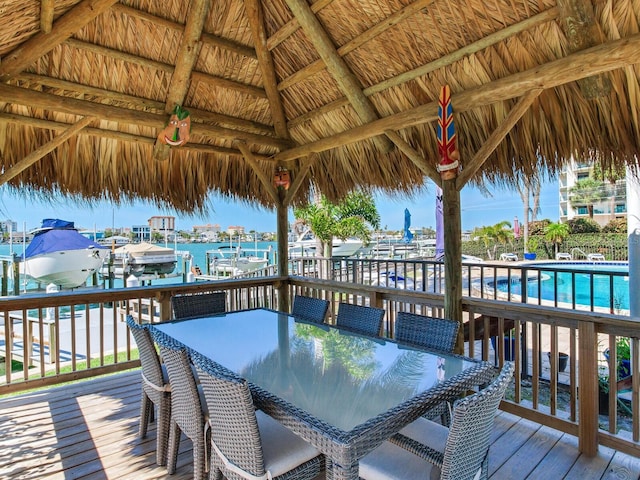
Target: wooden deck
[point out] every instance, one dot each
(89, 430)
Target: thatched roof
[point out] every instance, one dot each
(342, 93)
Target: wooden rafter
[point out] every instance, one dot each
(266, 180)
(515, 114)
(211, 80)
(317, 66)
(603, 58)
(292, 26)
(441, 62)
(140, 103)
(46, 15)
(256, 21)
(187, 54)
(72, 21)
(79, 107)
(339, 70)
(207, 38)
(122, 136)
(43, 150)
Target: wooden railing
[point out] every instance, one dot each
(64, 337)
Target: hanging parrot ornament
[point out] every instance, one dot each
(449, 163)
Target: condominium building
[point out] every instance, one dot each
(612, 203)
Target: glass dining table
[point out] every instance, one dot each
(343, 392)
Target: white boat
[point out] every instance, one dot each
(59, 255)
(341, 248)
(227, 260)
(142, 259)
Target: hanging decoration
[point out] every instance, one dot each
(449, 163)
(177, 131)
(282, 179)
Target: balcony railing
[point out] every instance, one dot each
(62, 337)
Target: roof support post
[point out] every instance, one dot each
(452, 256)
(282, 222)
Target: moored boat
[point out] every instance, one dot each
(142, 259)
(59, 255)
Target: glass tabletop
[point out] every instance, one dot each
(337, 376)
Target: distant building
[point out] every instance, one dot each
(8, 226)
(141, 233)
(206, 228)
(162, 224)
(614, 206)
(235, 230)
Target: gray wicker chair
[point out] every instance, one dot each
(429, 332)
(360, 318)
(198, 305)
(188, 410)
(426, 449)
(246, 444)
(310, 309)
(155, 390)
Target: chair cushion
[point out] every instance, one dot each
(428, 433)
(391, 462)
(282, 449)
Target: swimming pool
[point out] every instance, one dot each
(597, 284)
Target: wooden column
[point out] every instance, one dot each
(283, 243)
(452, 256)
(588, 388)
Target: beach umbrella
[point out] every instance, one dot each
(516, 228)
(408, 236)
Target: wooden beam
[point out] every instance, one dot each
(221, 82)
(292, 26)
(339, 70)
(603, 58)
(46, 15)
(267, 182)
(120, 136)
(207, 38)
(317, 66)
(265, 60)
(187, 54)
(427, 168)
(297, 182)
(452, 257)
(41, 43)
(515, 114)
(75, 106)
(492, 39)
(43, 150)
(141, 103)
(579, 23)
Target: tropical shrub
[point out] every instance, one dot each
(538, 227)
(583, 225)
(617, 225)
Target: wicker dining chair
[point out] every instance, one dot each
(426, 449)
(309, 308)
(360, 318)
(188, 412)
(198, 304)
(249, 444)
(429, 332)
(156, 390)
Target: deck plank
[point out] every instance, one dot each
(89, 430)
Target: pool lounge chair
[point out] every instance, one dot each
(563, 256)
(595, 257)
(509, 257)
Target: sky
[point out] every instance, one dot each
(477, 210)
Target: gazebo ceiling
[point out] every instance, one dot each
(341, 93)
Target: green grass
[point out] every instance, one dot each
(15, 366)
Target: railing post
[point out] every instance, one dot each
(588, 389)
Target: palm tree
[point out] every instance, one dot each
(500, 233)
(611, 174)
(588, 191)
(355, 216)
(556, 233)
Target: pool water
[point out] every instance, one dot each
(609, 290)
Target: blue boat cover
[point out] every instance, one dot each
(61, 235)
